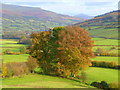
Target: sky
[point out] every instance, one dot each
(70, 7)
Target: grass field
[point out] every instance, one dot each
(15, 58)
(10, 44)
(44, 81)
(101, 32)
(101, 74)
(102, 41)
(105, 58)
(41, 81)
(106, 44)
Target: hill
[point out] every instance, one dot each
(84, 16)
(42, 81)
(103, 26)
(27, 19)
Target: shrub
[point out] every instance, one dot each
(4, 71)
(14, 69)
(101, 85)
(104, 85)
(113, 48)
(32, 63)
(7, 51)
(22, 50)
(14, 53)
(25, 40)
(11, 53)
(38, 70)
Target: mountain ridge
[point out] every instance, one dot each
(105, 25)
(83, 16)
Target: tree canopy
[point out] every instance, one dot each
(63, 51)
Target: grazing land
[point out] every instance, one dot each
(10, 44)
(101, 74)
(106, 58)
(15, 58)
(41, 81)
(109, 45)
(44, 81)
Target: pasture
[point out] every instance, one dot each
(41, 81)
(10, 44)
(44, 81)
(106, 58)
(103, 41)
(109, 45)
(15, 58)
(101, 74)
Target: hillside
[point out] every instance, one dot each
(27, 19)
(105, 26)
(42, 81)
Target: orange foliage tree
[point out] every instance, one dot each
(63, 51)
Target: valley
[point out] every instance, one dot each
(44, 49)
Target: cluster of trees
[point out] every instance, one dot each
(23, 50)
(14, 35)
(106, 86)
(101, 85)
(25, 40)
(104, 64)
(19, 68)
(102, 52)
(63, 51)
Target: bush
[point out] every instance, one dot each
(32, 63)
(22, 50)
(101, 85)
(7, 51)
(38, 70)
(11, 53)
(4, 71)
(14, 69)
(25, 40)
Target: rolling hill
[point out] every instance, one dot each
(103, 26)
(29, 19)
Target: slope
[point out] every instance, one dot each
(29, 19)
(103, 26)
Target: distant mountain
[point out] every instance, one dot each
(105, 25)
(84, 16)
(22, 18)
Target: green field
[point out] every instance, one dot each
(101, 74)
(106, 44)
(41, 81)
(101, 32)
(44, 81)
(102, 41)
(105, 58)
(10, 44)
(15, 58)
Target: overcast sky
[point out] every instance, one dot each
(70, 7)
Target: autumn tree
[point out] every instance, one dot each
(63, 51)
(75, 47)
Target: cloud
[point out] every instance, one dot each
(70, 7)
(97, 3)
